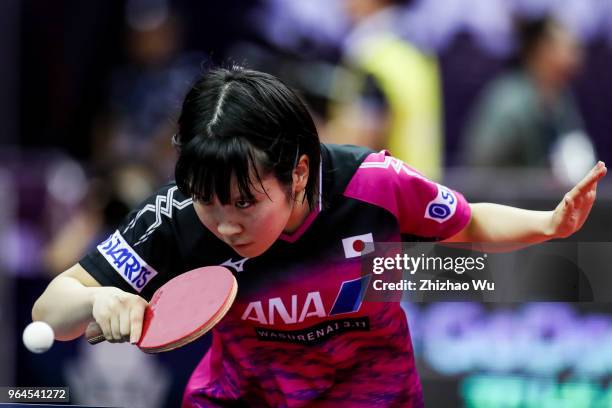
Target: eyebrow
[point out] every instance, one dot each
(255, 193)
(234, 199)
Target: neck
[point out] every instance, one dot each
(546, 83)
(298, 215)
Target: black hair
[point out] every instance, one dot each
(240, 122)
(531, 32)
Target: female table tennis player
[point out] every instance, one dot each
(257, 192)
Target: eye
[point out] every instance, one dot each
(202, 202)
(243, 204)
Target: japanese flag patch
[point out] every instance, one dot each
(358, 245)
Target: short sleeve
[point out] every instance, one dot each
(422, 207)
(142, 254)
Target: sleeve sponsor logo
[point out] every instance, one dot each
(443, 207)
(122, 257)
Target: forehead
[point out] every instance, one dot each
(559, 33)
(265, 185)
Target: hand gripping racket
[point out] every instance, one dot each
(182, 310)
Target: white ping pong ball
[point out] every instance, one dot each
(38, 337)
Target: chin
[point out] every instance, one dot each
(251, 252)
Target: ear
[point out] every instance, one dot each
(300, 174)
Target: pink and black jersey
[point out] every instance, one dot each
(300, 332)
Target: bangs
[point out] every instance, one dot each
(205, 168)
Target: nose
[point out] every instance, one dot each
(229, 229)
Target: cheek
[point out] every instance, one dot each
(270, 223)
(264, 230)
(208, 219)
(204, 218)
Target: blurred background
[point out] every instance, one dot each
(503, 100)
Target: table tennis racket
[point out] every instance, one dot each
(182, 310)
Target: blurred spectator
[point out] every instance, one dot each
(389, 96)
(108, 201)
(112, 375)
(146, 92)
(528, 117)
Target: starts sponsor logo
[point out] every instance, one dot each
(122, 257)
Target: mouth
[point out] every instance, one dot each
(240, 246)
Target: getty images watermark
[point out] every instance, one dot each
(422, 263)
(485, 272)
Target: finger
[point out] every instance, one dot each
(115, 329)
(105, 326)
(592, 177)
(93, 333)
(590, 195)
(584, 197)
(136, 318)
(124, 324)
(589, 180)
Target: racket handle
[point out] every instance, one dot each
(94, 334)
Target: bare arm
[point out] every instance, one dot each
(494, 223)
(74, 299)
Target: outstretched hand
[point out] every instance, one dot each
(573, 210)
